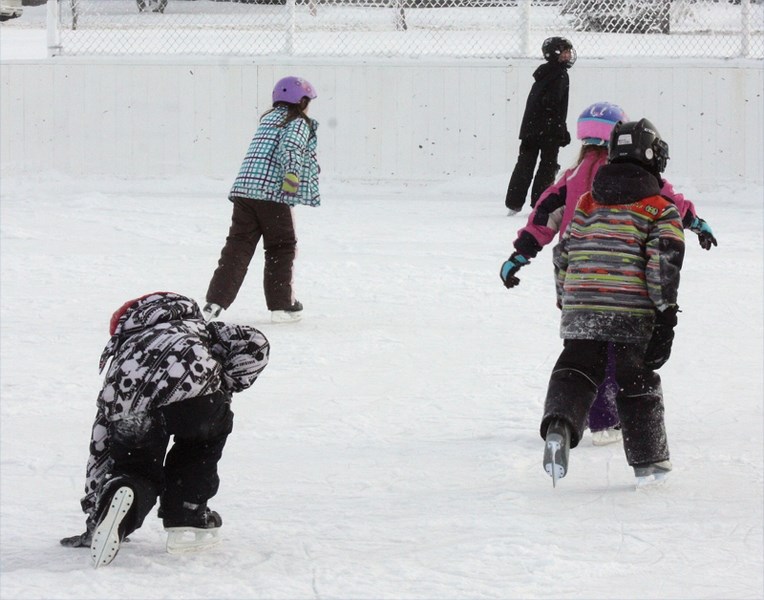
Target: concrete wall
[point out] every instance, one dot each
(408, 120)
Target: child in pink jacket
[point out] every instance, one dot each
(551, 217)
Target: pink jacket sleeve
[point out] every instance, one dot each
(545, 221)
(556, 206)
(685, 207)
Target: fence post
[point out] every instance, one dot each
(291, 26)
(400, 16)
(53, 32)
(525, 28)
(745, 36)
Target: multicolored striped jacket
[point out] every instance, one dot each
(275, 150)
(620, 258)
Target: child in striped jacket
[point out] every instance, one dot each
(553, 213)
(279, 171)
(617, 270)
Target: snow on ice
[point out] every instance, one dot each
(391, 448)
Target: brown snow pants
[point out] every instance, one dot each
(252, 220)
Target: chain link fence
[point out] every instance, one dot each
(406, 28)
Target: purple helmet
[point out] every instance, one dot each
(597, 121)
(293, 90)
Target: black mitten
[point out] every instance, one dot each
(659, 347)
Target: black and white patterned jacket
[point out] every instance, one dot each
(161, 352)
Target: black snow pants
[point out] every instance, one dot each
(578, 373)
(522, 175)
(250, 221)
(189, 471)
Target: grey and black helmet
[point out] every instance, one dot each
(640, 142)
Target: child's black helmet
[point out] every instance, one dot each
(554, 46)
(640, 142)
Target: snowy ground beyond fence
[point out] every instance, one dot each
(411, 29)
(391, 448)
(687, 29)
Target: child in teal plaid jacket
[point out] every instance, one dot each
(279, 171)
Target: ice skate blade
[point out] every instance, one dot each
(183, 540)
(552, 464)
(105, 544)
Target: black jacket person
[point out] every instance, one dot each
(543, 130)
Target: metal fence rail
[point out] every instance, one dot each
(406, 28)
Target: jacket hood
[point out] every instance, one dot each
(282, 111)
(547, 69)
(145, 312)
(151, 309)
(624, 183)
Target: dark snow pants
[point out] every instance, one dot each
(252, 220)
(580, 370)
(522, 175)
(189, 471)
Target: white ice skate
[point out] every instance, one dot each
(194, 530)
(211, 311)
(606, 436)
(652, 474)
(183, 540)
(289, 315)
(107, 536)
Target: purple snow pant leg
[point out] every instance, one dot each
(604, 414)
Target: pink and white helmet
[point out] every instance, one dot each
(293, 90)
(597, 121)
